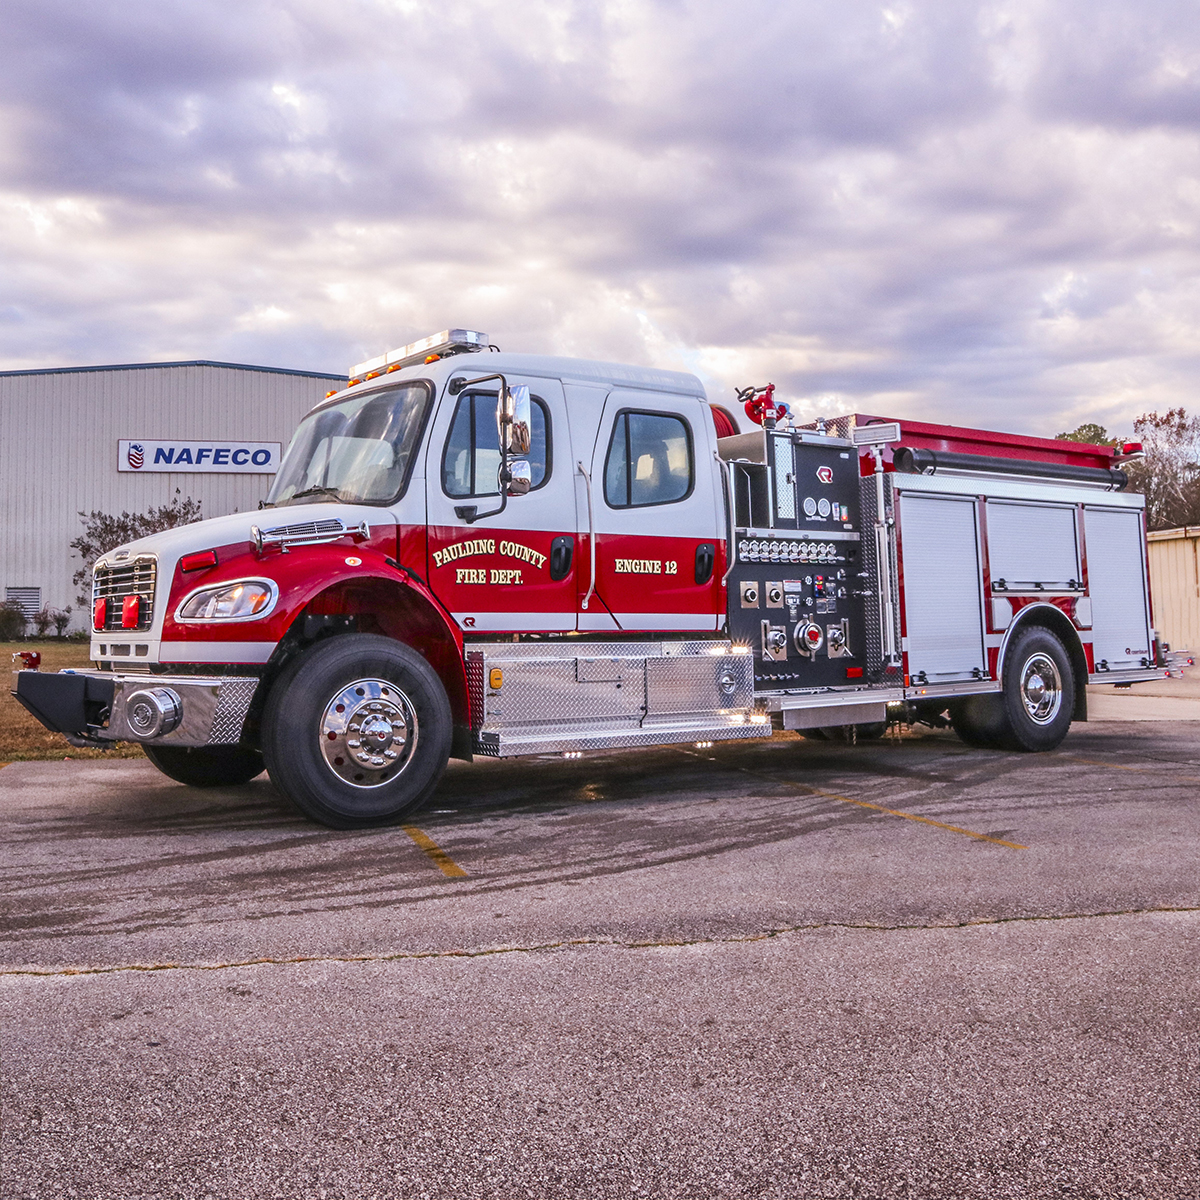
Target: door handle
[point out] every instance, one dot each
(587, 479)
(562, 550)
(706, 557)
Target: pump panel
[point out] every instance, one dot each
(796, 590)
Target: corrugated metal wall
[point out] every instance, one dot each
(58, 451)
(1175, 585)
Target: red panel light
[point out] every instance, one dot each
(131, 611)
(100, 613)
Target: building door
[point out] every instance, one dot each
(658, 518)
(516, 570)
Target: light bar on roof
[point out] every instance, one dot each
(415, 352)
(879, 434)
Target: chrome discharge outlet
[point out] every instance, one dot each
(153, 712)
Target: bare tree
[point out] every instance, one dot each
(1167, 474)
(103, 531)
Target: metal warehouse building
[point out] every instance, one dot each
(1175, 585)
(123, 439)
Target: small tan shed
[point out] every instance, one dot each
(1175, 585)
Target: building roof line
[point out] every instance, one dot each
(196, 362)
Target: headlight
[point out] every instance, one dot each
(240, 601)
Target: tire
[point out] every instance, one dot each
(325, 764)
(980, 721)
(207, 766)
(1035, 709)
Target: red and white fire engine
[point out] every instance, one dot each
(472, 553)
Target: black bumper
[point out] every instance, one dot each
(64, 703)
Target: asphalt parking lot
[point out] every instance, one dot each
(781, 969)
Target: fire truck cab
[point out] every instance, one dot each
(467, 552)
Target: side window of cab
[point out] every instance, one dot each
(471, 460)
(650, 460)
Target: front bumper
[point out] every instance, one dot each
(98, 707)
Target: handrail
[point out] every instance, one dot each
(587, 479)
(727, 496)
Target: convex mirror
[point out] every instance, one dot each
(520, 477)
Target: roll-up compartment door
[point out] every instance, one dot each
(1117, 586)
(1032, 546)
(943, 607)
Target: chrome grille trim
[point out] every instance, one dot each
(137, 577)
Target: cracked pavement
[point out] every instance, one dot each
(675, 972)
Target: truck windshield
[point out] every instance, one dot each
(359, 450)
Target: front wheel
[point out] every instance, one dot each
(356, 731)
(207, 766)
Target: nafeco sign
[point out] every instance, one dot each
(211, 457)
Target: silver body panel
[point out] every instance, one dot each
(1116, 580)
(834, 714)
(943, 609)
(572, 696)
(214, 708)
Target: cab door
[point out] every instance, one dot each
(515, 570)
(658, 517)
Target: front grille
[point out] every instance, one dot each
(113, 584)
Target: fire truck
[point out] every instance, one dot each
(474, 553)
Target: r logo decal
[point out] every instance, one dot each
(825, 474)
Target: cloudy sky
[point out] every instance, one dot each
(979, 212)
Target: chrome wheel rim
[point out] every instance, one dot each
(1041, 689)
(368, 733)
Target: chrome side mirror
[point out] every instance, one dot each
(520, 477)
(514, 420)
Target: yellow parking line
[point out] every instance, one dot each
(891, 812)
(896, 812)
(445, 863)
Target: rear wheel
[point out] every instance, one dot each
(356, 732)
(207, 766)
(1035, 709)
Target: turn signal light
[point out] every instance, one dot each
(100, 613)
(131, 611)
(197, 562)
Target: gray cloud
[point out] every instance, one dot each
(979, 212)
